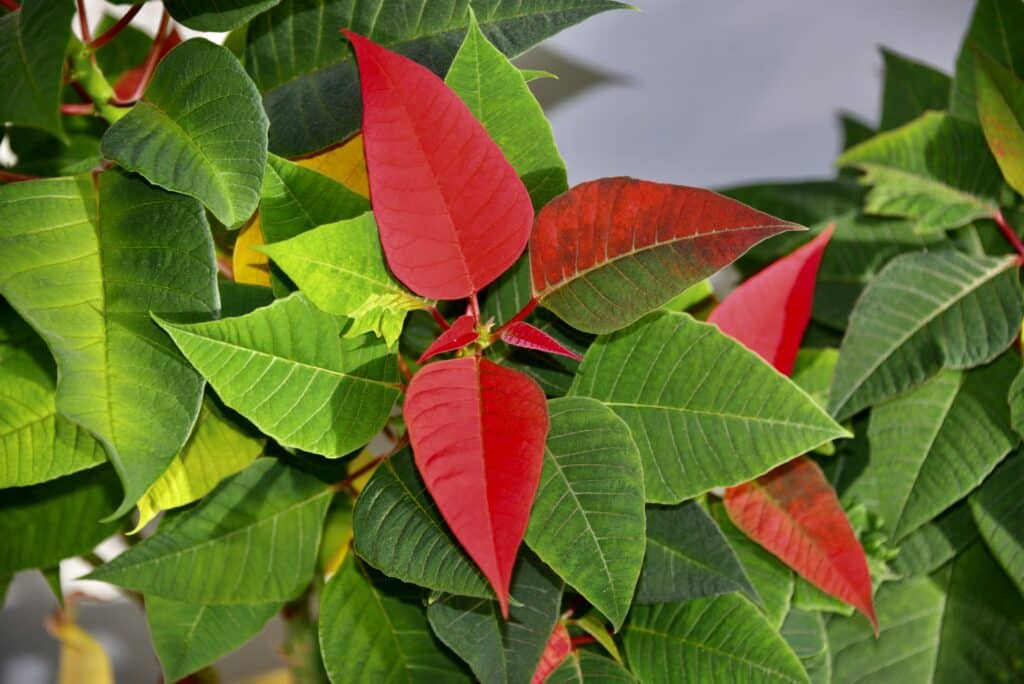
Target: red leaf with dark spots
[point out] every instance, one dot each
(478, 432)
(128, 82)
(558, 648)
(453, 215)
(462, 332)
(611, 250)
(524, 335)
(769, 312)
(793, 512)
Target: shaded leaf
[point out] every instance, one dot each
(477, 432)
(855, 131)
(86, 272)
(127, 84)
(609, 251)
(1001, 112)
(934, 445)
(188, 637)
(499, 650)
(496, 93)
(175, 135)
(813, 371)
(33, 41)
(587, 521)
(924, 312)
(805, 633)
(199, 15)
(910, 89)
(463, 332)
(935, 543)
(286, 368)
(375, 630)
(935, 170)
(309, 94)
(993, 24)
(723, 638)
(399, 531)
(999, 511)
(452, 216)
(268, 516)
(704, 410)
(794, 513)
(584, 666)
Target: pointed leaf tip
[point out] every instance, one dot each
(478, 432)
(453, 213)
(769, 312)
(462, 332)
(520, 334)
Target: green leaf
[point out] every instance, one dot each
(911, 89)
(52, 577)
(999, 511)
(704, 410)
(934, 445)
(924, 312)
(87, 276)
(223, 15)
(934, 544)
(215, 451)
(587, 521)
(1016, 400)
(805, 633)
(813, 370)
(854, 130)
(593, 623)
(294, 199)
(43, 524)
(340, 267)
(374, 630)
(125, 53)
(1001, 112)
(33, 40)
(499, 650)
(497, 94)
(399, 531)
(252, 540)
(688, 557)
(37, 444)
(993, 27)
(772, 580)
(691, 296)
(199, 130)
(717, 639)
(584, 666)
(41, 154)
(935, 170)
(286, 368)
(238, 299)
(807, 597)
(301, 65)
(188, 637)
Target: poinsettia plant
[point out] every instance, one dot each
(312, 332)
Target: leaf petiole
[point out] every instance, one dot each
(114, 30)
(1009, 233)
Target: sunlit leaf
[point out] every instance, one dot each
(1001, 112)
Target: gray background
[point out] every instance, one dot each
(699, 92)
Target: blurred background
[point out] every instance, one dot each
(697, 92)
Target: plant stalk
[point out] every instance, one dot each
(112, 32)
(87, 74)
(1009, 233)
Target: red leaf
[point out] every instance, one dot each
(477, 432)
(558, 648)
(769, 312)
(128, 82)
(611, 250)
(453, 214)
(524, 335)
(793, 512)
(462, 332)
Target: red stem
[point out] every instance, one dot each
(83, 22)
(474, 305)
(403, 368)
(12, 177)
(523, 313)
(582, 640)
(438, 317)
(81, 109)
(150, 64)
(1009, 233)
(112, 32)
(10, 4)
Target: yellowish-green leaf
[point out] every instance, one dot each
(1001, 113)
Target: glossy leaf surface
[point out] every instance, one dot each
(794, 513)
(587, 521)
(924, 312)
(201, 15)
(526, 336)
(463, 332)
(477, 433)
(175, 135)
(609, 251)
(453, 214)
(704, 410)
(287, 368)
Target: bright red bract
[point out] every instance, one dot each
(794, 513)
(462, 332)
(558, 648)
(769, 312)
(520, 334)
(453, 214)
(478, 432)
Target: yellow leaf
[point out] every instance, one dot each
(216, 450)
(281, 676)
(343, 163)
(82, 658)
(251, 267)
(364, 459)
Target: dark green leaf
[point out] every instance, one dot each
(998, 508)
(854, 130)
(805, 633)
(934, 544)
(223, 15)
(199, 130)
(583, 667)
(993, 29)
(911, 88)
(1001, 111)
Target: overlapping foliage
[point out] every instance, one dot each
(347, 324)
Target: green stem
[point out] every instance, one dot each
(87, 74)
